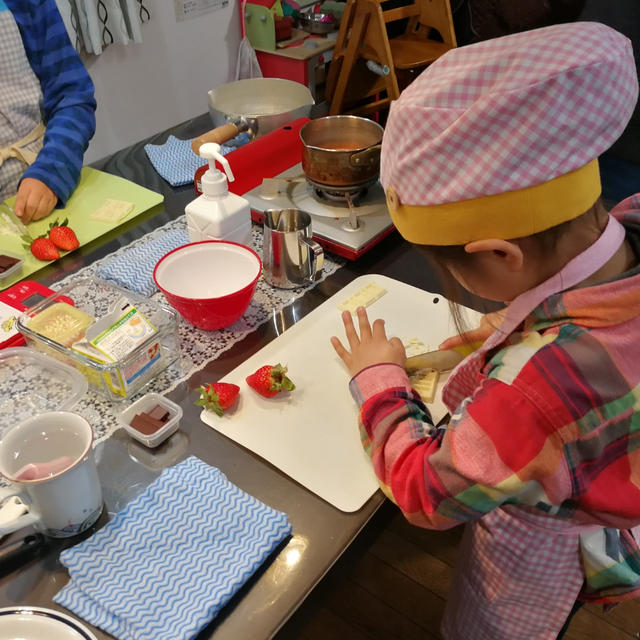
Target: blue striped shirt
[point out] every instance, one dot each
(68, 101)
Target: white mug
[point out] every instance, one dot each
(49, 459)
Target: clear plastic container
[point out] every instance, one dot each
(124, 377)
(144, 404)
(13, 271)
(31, 383)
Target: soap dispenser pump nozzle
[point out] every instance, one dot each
(214, 182)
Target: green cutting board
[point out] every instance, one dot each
(93, 189)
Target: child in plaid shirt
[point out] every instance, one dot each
(489, 163)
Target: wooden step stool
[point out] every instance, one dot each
(368, 69)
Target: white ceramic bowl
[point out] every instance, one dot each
(38, 623)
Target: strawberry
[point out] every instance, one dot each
(44, 249)
(63, 236)
(218, 396)
(270, 380)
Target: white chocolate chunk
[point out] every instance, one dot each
(113, 210)
(363, 298)
(425, 383)
(414, 346)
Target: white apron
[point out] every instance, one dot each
(21, 128)
(519, 571)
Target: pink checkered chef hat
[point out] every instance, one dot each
(501, 138)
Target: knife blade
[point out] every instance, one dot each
(440, 360)
(8, 210)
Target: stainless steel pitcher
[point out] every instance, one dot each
(290, 257)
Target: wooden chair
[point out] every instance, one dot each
(366, 72)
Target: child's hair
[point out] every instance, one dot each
(438, 257)
(543, 243)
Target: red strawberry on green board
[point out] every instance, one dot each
(218, 396)
(63, 236)
(44, 249)
(270, 380)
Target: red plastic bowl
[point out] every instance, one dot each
(210, 283)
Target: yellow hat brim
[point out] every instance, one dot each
(513, 214)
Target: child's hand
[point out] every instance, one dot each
(34, 201)
(371, 347)
(488, 324)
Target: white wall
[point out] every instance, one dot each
(145, 88)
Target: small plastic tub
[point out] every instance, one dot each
(9, 272)
(145, 404)
(32, 382)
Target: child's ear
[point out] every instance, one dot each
(508, 253)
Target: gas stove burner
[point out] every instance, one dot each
(347, 197)
(340, 197)
(346, 230)
(331, 192)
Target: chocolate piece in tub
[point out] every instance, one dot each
(6, 262)
(148, 422)
(159, 413)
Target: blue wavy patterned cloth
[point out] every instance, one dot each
(176, 162)
(167, 563)
(133, 268)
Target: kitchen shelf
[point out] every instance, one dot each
(303, 63)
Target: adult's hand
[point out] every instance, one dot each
(34, 200)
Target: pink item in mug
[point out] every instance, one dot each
(38, 470)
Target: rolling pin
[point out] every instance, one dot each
(221, 134)
(440, 360)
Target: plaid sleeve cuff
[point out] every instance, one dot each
(377, 378)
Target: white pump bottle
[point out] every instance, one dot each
(218, 214)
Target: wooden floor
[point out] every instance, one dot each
(393, 583)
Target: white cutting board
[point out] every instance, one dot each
(311, 434)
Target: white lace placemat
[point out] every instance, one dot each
(197, 347)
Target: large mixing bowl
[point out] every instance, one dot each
(318, 23)
(255, 105)
(209, 283)
(266, 103)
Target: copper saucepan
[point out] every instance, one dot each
(341, 151)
